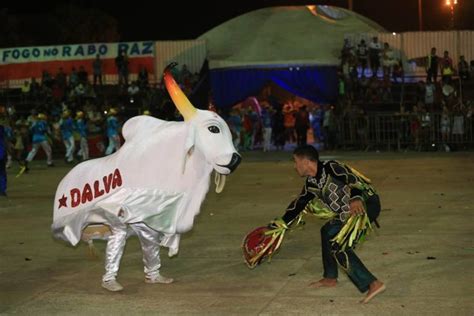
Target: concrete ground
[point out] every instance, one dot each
(424, 250)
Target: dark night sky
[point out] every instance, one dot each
(169, 20)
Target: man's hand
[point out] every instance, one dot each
(277, 223)
(356, 207)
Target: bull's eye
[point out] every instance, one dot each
(214, 129)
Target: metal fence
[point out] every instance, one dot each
(410, 131)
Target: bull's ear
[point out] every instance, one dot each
(189, 144)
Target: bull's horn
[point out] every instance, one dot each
(185, 107)
(219, 180)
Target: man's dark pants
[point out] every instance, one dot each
(357, 272)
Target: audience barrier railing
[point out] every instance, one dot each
(408, 131)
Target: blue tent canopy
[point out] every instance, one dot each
(315, 83)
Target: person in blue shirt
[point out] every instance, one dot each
(9, 139)
(40, 131)
(3, 158)
(66, 124)
(112, 132)
(316, 119)
(81, 129)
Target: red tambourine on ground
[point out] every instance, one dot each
(261, 243)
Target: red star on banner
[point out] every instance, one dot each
(62, 201)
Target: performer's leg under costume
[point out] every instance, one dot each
(356, 270)
(114, 251)
(149, 240)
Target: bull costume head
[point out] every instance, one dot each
(208, 132)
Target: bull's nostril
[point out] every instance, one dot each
(234, 162)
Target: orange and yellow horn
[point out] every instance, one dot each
(185, 107)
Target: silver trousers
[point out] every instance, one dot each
(149, 240)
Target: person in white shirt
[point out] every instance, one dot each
(374, 55)
(388, 60)
(363, 55)
(133, 91)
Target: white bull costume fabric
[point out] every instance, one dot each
(158, 179)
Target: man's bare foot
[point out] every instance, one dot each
(375, 288)
(325, 282)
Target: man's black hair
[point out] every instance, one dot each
(307, 151)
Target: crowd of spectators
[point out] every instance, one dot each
(77, 96)
(367, 73)
(434, 115)
(367, 76)
(266, 123)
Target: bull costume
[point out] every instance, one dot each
(152, 187)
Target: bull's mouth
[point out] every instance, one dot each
(220, 178)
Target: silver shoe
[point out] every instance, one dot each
(159, 279)
(112, 285)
